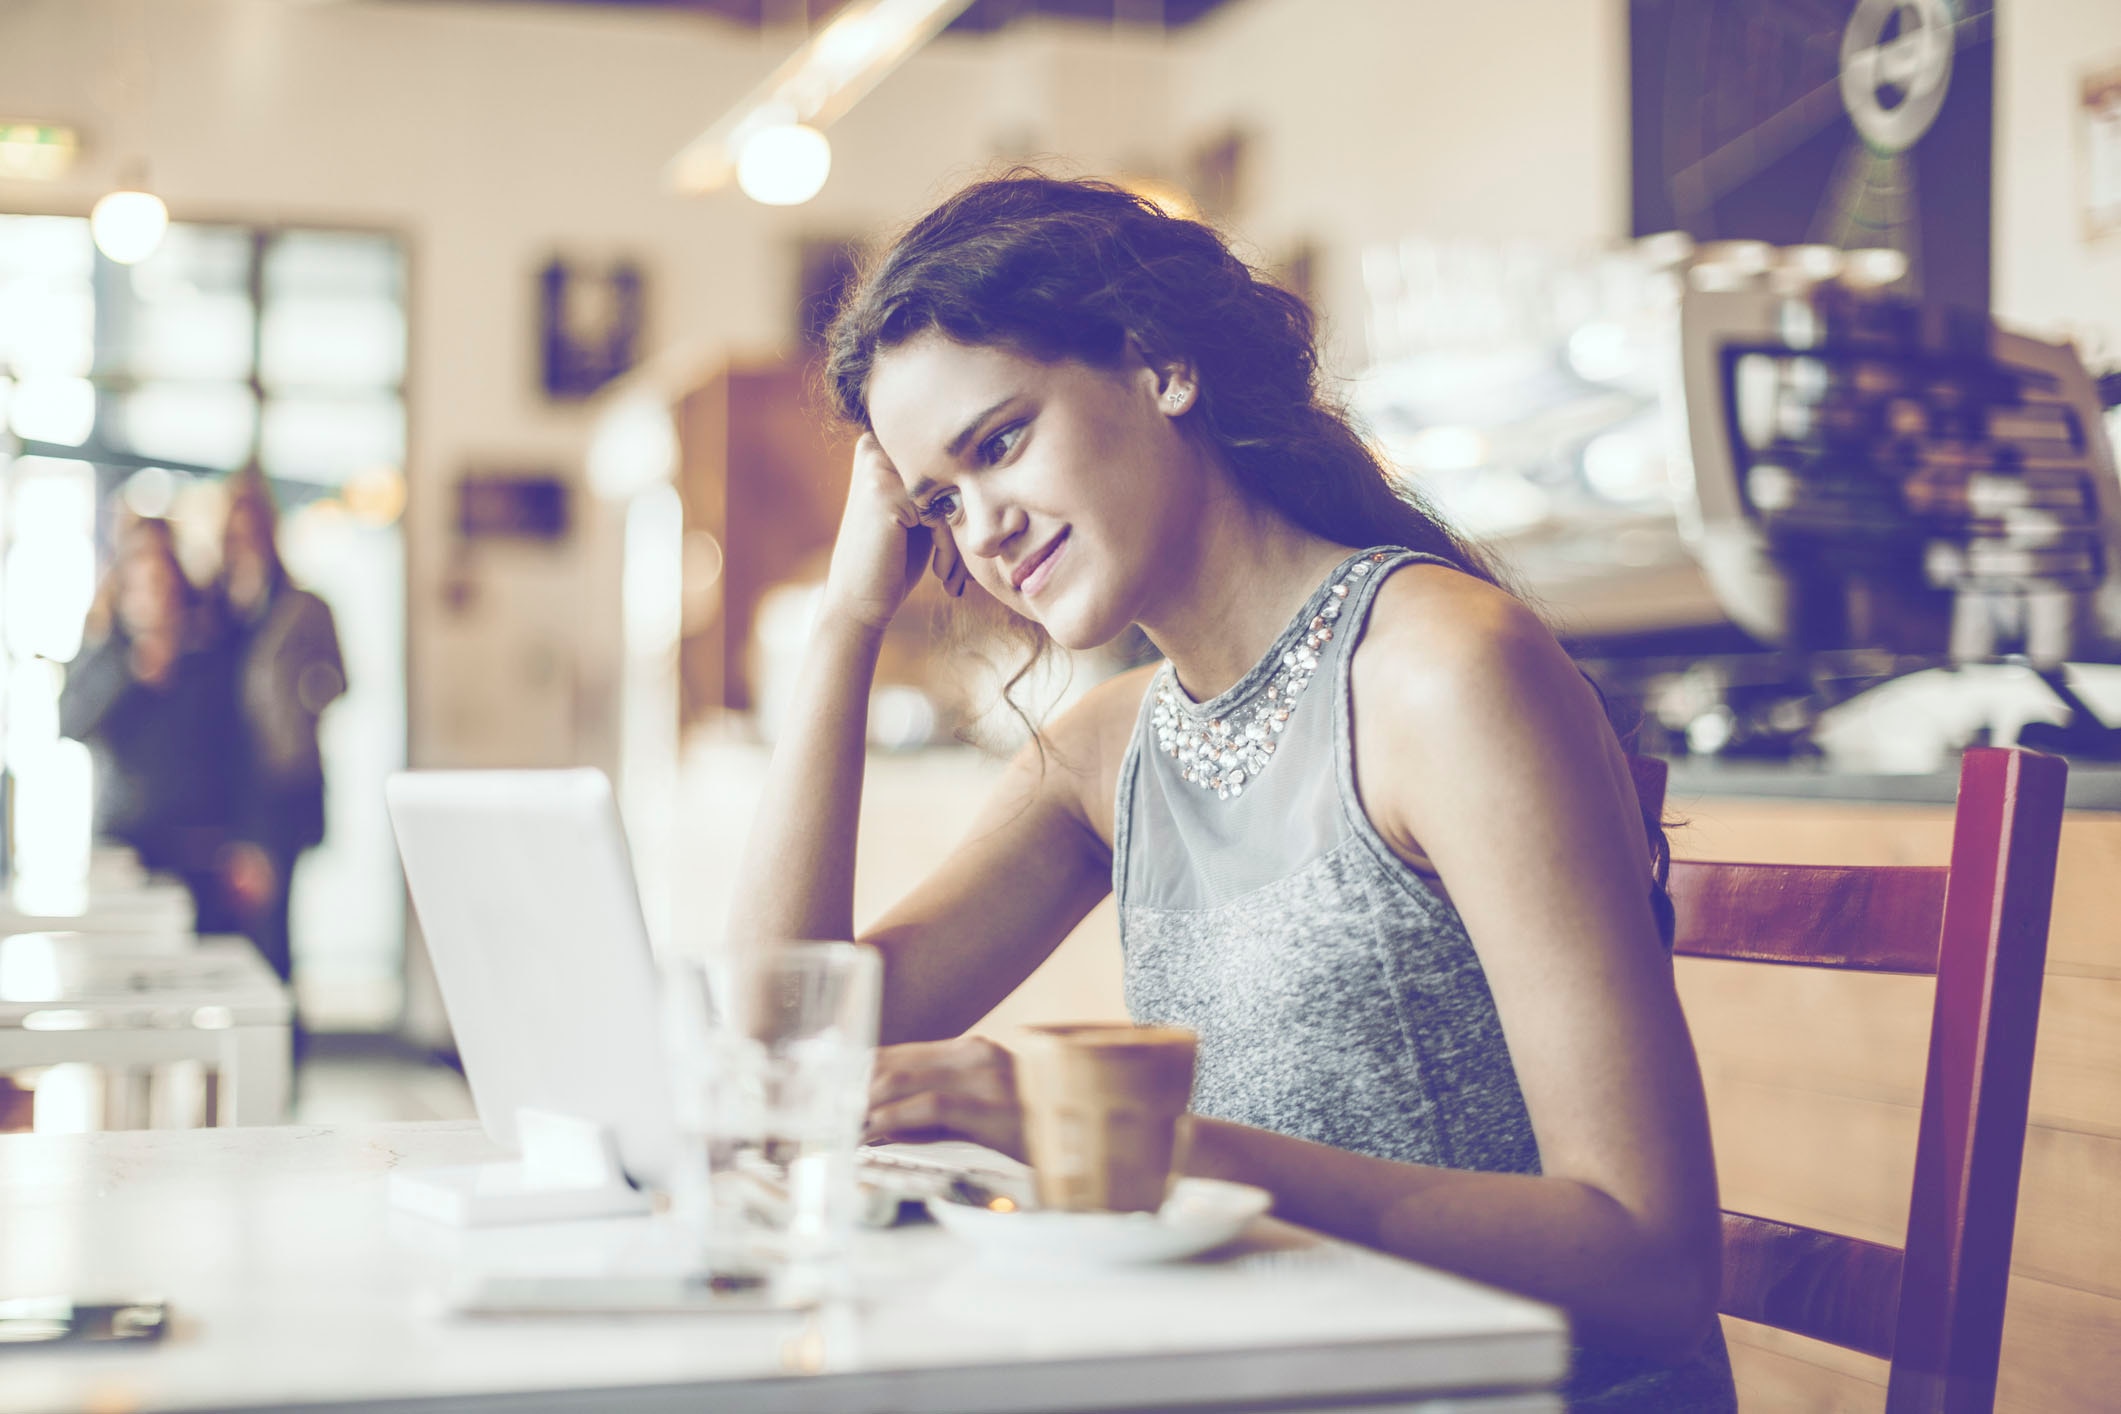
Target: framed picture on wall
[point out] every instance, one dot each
(2102, 154)
(590, 322)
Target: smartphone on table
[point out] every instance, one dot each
(61, 1320)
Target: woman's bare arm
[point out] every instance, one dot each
(799, 860)
(1028, 870)
(1626, 1283)
(1036, 861)
(1033, 863)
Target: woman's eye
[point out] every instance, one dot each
(996, 447)
(942, 507)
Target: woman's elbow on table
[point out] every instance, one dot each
(1670, 1309)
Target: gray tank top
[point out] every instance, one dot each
(1336, 993)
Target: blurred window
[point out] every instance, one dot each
(228, 344)
(199, 424)
(50, 573)
(334, 312)
(187, 311)
(328, 439)
(140, 386)
(47, 303)
(195, 334)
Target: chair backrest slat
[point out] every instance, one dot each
(1978, 1089)
(1871, 920)
(1821, 1284)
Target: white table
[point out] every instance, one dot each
(101, 905)
(292, 1284)
(127, 1004)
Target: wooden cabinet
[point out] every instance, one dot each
(763, 470)
(764, 473)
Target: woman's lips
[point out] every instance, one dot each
(1042, 568)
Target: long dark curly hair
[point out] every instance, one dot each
(1089, 271)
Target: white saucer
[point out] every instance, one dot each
(1200, 1213)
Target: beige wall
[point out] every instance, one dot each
(1379, 119)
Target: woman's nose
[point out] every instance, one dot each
(989, 526)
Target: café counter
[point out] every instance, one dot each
(2093, 785)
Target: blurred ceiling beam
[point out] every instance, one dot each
(838, 62)
(982, 16)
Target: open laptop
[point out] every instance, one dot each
(525, 894)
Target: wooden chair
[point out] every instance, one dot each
(1934, 1306)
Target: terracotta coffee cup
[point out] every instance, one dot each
(1105, 1112)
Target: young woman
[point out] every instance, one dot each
(1371, 834)
(153, 696)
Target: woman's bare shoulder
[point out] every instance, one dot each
(1453, 676)
(1436, 627)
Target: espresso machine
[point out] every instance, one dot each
(1883, 484)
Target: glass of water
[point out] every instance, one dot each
(770, 1055)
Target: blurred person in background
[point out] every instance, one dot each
(288, 669)
(153, 697)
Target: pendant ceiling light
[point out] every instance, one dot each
(774, 141)
(129, 225)
(783, 165)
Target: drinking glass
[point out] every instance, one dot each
(770, 1058)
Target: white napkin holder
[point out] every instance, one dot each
(569, 1168)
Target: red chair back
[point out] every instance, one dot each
(1934, 1306)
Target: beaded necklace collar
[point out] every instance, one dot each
(1223, 751)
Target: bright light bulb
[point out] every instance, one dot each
(634, 447)
(128, 225)
(1874, 268)
(784, 165)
